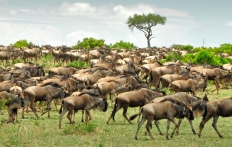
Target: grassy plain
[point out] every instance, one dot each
(32, 132)
(44, 131)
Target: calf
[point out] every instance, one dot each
(13, 104)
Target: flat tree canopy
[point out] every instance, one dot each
(144, 23)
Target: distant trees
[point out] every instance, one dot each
(123, 45)
(89, 43)
(145, 23)
(22, 43)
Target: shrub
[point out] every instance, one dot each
(123, 45)
(89, 43)
(173, 56)
(182, 47)
(22, 43)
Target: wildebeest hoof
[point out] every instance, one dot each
(220, 136)
(136, 138)
(161, 134)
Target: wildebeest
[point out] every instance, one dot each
(198, 105)
(32, 53)
(17, 90)
(92, 78)
(215, 74)
(13, 104)
(214, 109)
(165, 110)
(42, 93)
(118, 84)
(84, 101)
(64, 71)
(128, 68)
(166, 79)
(189, 85)
(65, 81)
(157, 72)
(136, 98)
(6, 85)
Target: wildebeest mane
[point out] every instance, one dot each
(63, 78)
(51, 83)
(174, 101)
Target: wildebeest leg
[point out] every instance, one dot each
(139, 116)
(69, 116)
(179, 123)
(25, 107)
(11, 115)
(87, 114)
(62, 114)
(32, 106)
(116, 108)
(124, 113)
(16, 115)
(202, 124)
(148, 125)
(157, 126)
(176, 126)
(48, 109)
(82, 118)
(139, 126)
(190, 122)
(214, 124)
(168, 126)
(216, 85)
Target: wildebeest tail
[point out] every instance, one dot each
(114, 110)
(205, 113)
(134, 116)
(61, 106)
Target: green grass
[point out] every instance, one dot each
(32, 132)
(45, 132)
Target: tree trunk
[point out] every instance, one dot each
(148, 42)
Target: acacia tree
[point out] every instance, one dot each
(144, 23)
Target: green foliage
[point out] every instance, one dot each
(22, 43)
(79, 64)
(173, 56)
(89, 43)
(205, 56)
(182, 47)
(141, 22)
(144, 23)
(188, 58)
(123, 45)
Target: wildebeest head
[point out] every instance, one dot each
(15, 102)
(188, 112)
(103, 105)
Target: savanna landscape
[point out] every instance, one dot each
(44, 131)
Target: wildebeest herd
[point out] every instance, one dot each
(131, 78)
